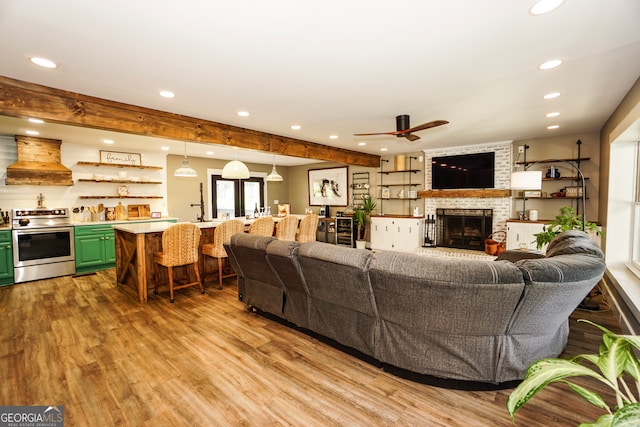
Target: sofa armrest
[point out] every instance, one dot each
(515, 255)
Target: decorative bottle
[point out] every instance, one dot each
(256, 212)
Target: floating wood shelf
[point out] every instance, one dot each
(565, 178)
(119, 166)
(401, 185)
(119, 181)
(464, 193)
(119, 197)
(552, 198)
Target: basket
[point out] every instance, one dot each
(495, 243)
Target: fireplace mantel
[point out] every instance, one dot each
(483, 194)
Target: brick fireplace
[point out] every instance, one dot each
(500, 207)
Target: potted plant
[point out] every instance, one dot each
(360, 218)
(616, 366)
(567, 220)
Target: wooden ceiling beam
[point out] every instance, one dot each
(24, 99)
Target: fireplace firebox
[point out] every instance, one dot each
(464, 228)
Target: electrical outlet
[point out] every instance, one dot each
(275, 202)
(521, 149)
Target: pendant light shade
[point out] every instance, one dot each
(235, 169)
(185, 170)
(274, 176)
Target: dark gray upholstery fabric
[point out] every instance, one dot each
(514, 255)
(573, 242)
(341, 304)
(262, 289)
(444, 317)
(452, 318)
(282, 256)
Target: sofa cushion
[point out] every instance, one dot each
(573, 242)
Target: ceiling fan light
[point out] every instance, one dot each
(235, 169)
(402, 123)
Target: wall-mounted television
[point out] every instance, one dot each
(475, 170)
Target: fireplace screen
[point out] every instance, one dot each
(464, 228)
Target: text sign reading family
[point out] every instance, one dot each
(117, 158)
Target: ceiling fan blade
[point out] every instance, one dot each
(378, 133)
(426, 126)
(411, 137)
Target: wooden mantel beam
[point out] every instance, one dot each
(24, 99)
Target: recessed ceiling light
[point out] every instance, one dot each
(167, 94)
(243, 113)
(36, 121)
(544, 6)
(550, 64)
(32, 132)
(165, 148)
(553, 127)
(296, 127)
(43, 62)
(209, 153)
(383, 149)
(554, 114)
(362, 144)
(108, 141)
(552, 95)
(333, 136)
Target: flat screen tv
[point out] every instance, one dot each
(463, 171)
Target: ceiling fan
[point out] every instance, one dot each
(403, 129)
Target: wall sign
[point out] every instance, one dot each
(119, 158)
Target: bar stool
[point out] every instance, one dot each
(286, 228)
(262, 226)
(221, 235)
(308, 228)
(179, 247)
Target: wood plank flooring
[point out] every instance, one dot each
(205, 361)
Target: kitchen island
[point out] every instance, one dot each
(135, 245)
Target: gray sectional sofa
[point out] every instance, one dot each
(456, 319)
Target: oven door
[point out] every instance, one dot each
(39, 246)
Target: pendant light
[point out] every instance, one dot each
(235, 169)
(274, 176)
(185, 170)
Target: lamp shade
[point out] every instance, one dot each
(526, 180)
(235, 169)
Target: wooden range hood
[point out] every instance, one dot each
(39, 163)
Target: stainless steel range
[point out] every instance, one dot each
(43, 244)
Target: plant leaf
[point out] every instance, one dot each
(627, 416)
(542, 373)
(603, 421)
(588, 395)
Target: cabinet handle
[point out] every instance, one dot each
(102, 238)
(106, 238)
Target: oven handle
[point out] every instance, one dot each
(23, 231)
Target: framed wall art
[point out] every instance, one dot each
(328, 187)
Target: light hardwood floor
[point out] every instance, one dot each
(82, 343)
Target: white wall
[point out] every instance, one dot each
(24, 196)
(501, 205)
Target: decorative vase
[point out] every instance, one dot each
(361, 244)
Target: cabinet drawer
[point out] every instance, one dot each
(84, 230)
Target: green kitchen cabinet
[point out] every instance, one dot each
(95, 248)
(6, 258)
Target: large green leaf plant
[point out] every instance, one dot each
(616, 366)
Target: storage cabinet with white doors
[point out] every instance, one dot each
(396, 234)
(521, 234)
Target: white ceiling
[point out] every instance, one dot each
(333, 67)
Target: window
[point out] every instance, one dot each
(236, 197)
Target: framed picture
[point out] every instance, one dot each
(385, 193)
(328, 187)
(119, 158)
(284, 209)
